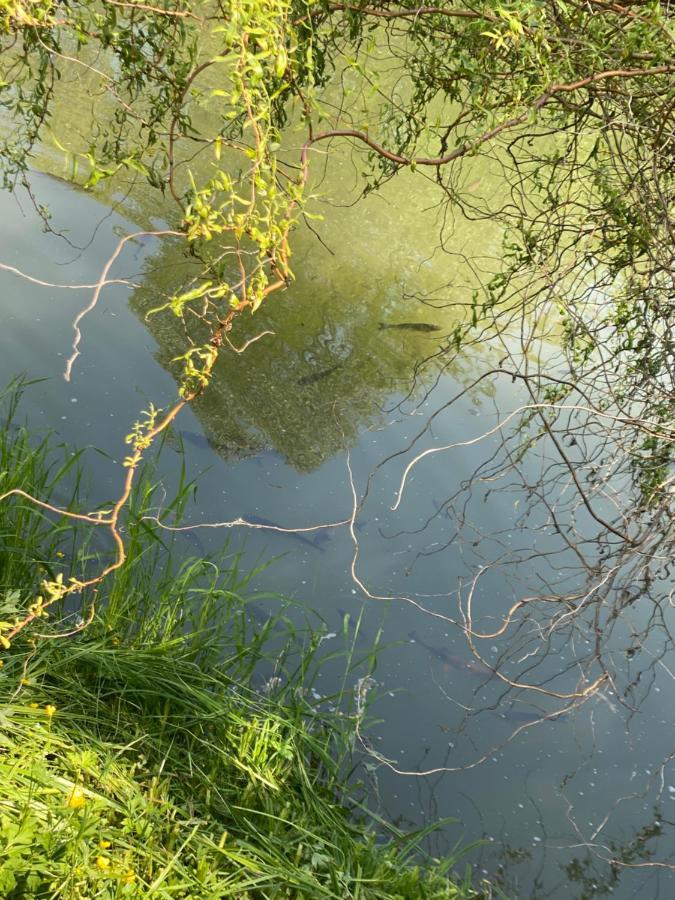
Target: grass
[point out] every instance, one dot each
(172, 749)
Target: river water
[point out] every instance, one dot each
(316, 424)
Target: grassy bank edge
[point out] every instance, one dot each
(172, 748)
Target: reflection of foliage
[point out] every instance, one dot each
(596, 874)
(584, 870)
(580, 99)
(306, 391)
(583, 96)
(509, 857)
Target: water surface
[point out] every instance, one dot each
(295, 429)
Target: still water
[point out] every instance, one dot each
(570, 792)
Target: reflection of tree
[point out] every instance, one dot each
(564, 595)
(327, 371)
(600, 880)
(597, 875)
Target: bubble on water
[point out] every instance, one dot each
(536, 840)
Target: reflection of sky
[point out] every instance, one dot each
(551, 785)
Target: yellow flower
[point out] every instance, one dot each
(60, 554)
(2, 662)
(129, 876)
(103, 863)
(33, 705)
(104, 845)
(50, 710)
(24, 682)
(76, 799)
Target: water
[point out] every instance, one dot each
(316, 424)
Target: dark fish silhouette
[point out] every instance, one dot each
(470, 666)
(313, 377)
(315, 542)
(410, 326)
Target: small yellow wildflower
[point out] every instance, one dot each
(33, 705)
(129, 877)
(2, 662)
(50, 710)
(103, 863)
(76, 799)
(60, 554)
(24, 682)
(104, 845)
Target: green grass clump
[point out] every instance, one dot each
(140, 756)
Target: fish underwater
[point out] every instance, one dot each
(315, 542)
(313, 377)
(409, 326)
(470, 666)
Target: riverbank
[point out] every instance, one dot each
(171, 748)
